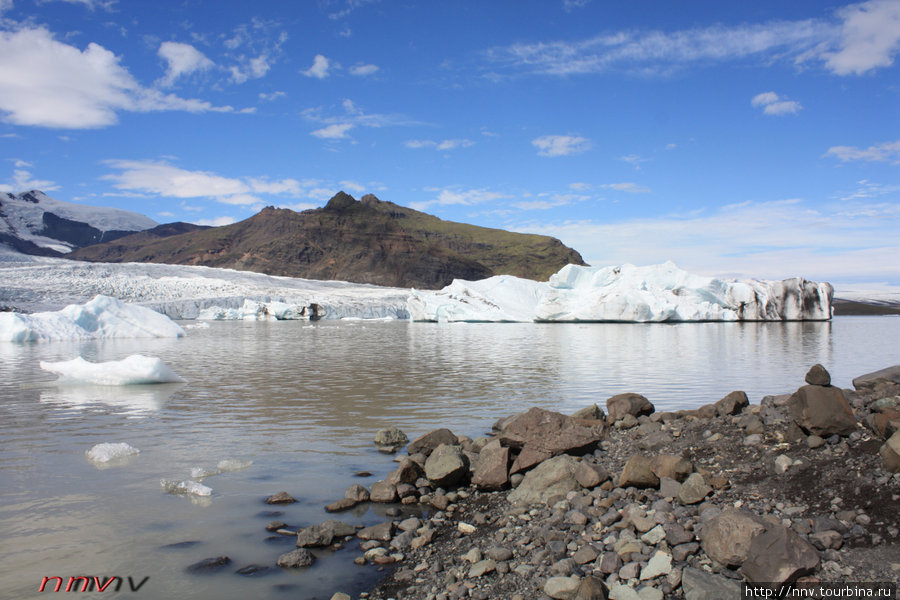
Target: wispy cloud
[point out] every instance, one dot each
(885, 152)
(47, 83)
(635, 160)
(347, 7)
(442, 145)
(23, 181)
(773, 104)
(627, 187)
(363, 70)
(338, 123)
(561, 145)
(182, 60)
(855, 40)
(336, 131)
(457, 195)
(778, 239)
(252, 48)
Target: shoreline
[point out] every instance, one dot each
(673, 505)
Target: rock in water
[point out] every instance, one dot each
(817, 375)
(301, 557)
(391, 436)
(446, 466)
(431, 440)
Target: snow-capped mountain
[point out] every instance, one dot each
(34, 223)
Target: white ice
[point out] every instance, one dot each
(136, 369)
(226, 465)
(106, 452)
(624, 293)
(185, 487)
(102, 317)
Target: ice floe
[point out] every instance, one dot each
(110, 451)
(185, 487)
(102, 317)
(136, 369)
(227, 465)
(624, 293)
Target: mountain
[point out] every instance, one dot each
(366, 241)
(34, 223)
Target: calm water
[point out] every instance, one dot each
(303, 402)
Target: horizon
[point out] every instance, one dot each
(756, 141)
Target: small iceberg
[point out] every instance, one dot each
(136, 369)
(101, 318)
(227, 465)
(108, 452)
(185, 487)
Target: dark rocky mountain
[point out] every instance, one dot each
(366, 241)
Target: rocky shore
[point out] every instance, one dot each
(627, 503)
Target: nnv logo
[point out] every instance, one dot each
(89, 584)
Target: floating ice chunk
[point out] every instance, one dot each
(185, 487)
(203, 472)
(106, 452)
(200, 325)
(232, 464)
(102, 317)
(135, 370)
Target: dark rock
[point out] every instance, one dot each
(822, 411)
(446, 465)
(779, 555)
(381, 532)
(589, 475)
(492, 467)
(391, 436)
(383, 491)
(672, 466)
(341, 505)
(870, 381)
(627, 404)
(700, 585)
(431, 440)
(638, 472)
(732, 404)
(543, 434)
(209, 565)
(590, 413)
(280, 498)
(726, 537)
(817, 375)
(591, 588)
(300, 557)
(255, 570)
(407, 471)
(357, 492)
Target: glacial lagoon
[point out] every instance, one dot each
(303, 401)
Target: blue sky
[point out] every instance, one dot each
(736, 138)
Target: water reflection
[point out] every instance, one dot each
(133, 400)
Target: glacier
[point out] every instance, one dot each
(136, 369)
(102, 317)
(624, 293)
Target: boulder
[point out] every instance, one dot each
(383, 532)
(726, 537)
(590, 475)
(638, 472)
(562, 588)
(323, 534)
(408, 471)
(779, 555)
(890, 452)
(870, 381)
(550, 479)
(589, 413)
(627, 404)
(700, 585)
(822, 411)
(280, 498)
(591, 588)
(382, 491)
(446, 466)
(341, 505)
(542, 434)
(431, 440)
(694, 489)
(732, 404)
(390, 436)
(301, 557)
(492, 467)
(817, 375)
(357, 492)
(209, 565)
(671, 466)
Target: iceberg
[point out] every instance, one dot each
(102, 317)
(136, 369)
(254, 310)
(106, 452)
(625, 293)
(227, 465)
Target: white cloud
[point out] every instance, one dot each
(159, 178)
(634, 160)
(353, 186)
(216, 222)
(319, 68)
(458, 196)
(857, 39)
(363, 70)
(869, 38)
(886, 152)
(442, 145)
(548, 201)
(774, 240)
(182, 59)
(271, 97)
(560, 145)
(5, 5)
(773, 104)
(337, 131)
(580, 186)
(47, 83)
(627, 187)
(348, 7)
(253, 48)
(22, 181)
